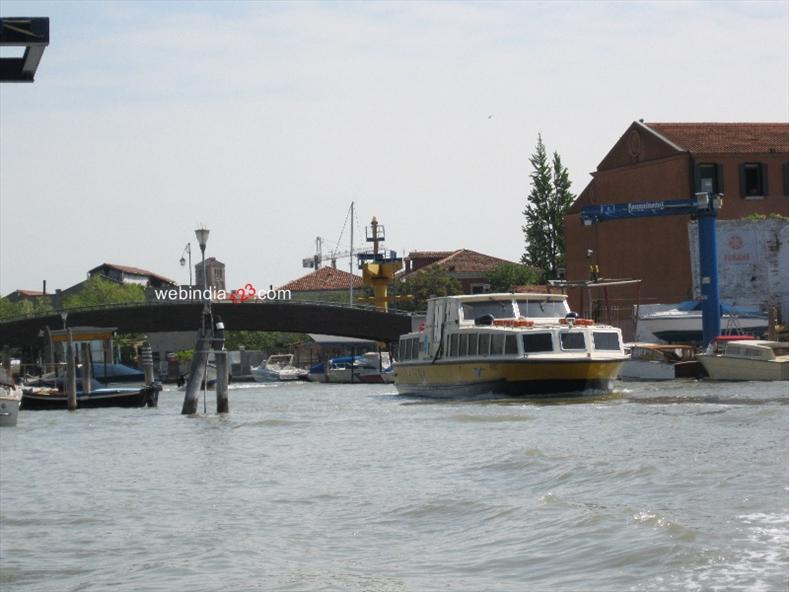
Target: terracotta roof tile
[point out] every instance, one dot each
(464, 261)
(323, 278)
(726, 138)
(429, 254)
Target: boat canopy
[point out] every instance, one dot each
(730, 309)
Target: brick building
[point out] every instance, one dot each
(747, 162)
(468, 267)
(325, 284)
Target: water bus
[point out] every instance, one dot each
(507, 344)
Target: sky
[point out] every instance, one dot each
(262, 121)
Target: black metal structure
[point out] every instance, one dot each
(296, 317)
(32, 33)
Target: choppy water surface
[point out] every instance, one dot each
(306, 487)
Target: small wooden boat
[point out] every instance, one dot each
(47, 398)
(653, 361)
(748, 359)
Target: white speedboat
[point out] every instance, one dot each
(278, 367)
(507, 344)
(652, 361)
(681, 323)
(747, 359)
(10, 397)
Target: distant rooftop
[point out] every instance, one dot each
(131, 271)
(324, 278)
(725, 138)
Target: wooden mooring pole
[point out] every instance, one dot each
(146, 356)
(70, 385)
(220, 359)
(196, 375)
(87, 367)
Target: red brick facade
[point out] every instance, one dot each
(662, 161)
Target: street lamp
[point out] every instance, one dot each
(188, 252)
(202, 238)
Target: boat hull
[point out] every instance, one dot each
(688, 328)
(146, 396)
(509, 378)
(9, 411)
(739, 369)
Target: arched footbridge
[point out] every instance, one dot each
(290, 316)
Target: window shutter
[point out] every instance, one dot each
(765, 190)
(696, 177)
(786, 178)
(742, 180)
(719, 170)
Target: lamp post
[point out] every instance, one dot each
(202, 238)
(187, 252)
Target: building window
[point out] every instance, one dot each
(786, 178)
(709, 178)
(753, 179)
(480, 288)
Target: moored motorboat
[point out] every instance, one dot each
(681, 323)
(507, 344)
(746, 359)
(10, 396)
(652, 361)
(38, 398)
(278, 367)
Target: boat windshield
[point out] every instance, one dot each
(535, 309)
(500, 309)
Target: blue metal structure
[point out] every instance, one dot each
(705, 208)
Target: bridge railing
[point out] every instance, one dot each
(117, 305)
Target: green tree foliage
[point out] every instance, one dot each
(426, 283)
(548, 201)
(97, 290)
(503, 277)
(261, 340)
(38, 306)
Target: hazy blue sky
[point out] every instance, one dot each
(264, 120)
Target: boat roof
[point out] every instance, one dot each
(762, 343)
(504, 296)
(661, 346)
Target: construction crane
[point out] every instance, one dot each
(705, 208)
(319, 258)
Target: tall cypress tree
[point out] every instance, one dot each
(546, 206)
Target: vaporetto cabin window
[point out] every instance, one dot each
(606, 340)
(573, 340)
(542, 309)
(537, 342)
(511, 345)
(500, 309)
(453, 345)
(497, 345)
(473, 340)
(484, 344)
(463, 351)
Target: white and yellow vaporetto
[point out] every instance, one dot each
(507, 344)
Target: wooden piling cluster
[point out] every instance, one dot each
(210, 337)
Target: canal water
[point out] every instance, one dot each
(302, 487)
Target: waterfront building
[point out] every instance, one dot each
(325, 284)
(747, 162)
(467, 266)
